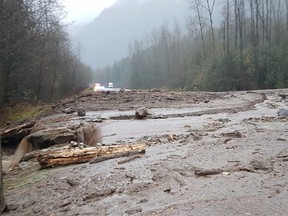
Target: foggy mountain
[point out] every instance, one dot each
(106, 39)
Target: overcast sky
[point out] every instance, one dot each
(85, 10)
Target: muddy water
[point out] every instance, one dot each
(163, 181)
(131, 130)
(194, 116)
(135, 129)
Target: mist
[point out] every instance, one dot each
(107, 37)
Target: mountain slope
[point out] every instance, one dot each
(106, 39)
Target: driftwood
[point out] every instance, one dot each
(13, 130)
(117, 155)
(248, 168)
(133, 157)
(205, 172)
(62, 157)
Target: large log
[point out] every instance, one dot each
(117, 155)
(17, 129)
(65, 156)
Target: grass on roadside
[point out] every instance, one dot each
(22, 112)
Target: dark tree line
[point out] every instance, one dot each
(247, 50)
(37, 62)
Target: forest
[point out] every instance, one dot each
(248, 49)
(37, 62)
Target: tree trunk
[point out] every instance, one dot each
(53, 85)
(210, 11)
(268, 20)
(241, 20)
(64, 156)
(228, 28)
(253, 41)
(257, 23)
(260, 74)
(2, 200)
(263, 19)
(224, 36)
(1, 60)
(236, 23)
(197, 7)
(39, 80)
(117, 155)
(241, 26)
(252, 23)
(287, 14)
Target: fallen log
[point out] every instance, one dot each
(133, 157)
(117, 155)
(64, 156)
(11, 131)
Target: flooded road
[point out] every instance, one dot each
(237, 139)
(193, 117)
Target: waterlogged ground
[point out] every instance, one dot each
(238, 134)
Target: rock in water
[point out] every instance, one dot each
(68, 110)
(81, 112)
(282, 112)
(141, 113)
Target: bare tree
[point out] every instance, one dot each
(32, 57)
(252, 32)
(287, 14)
(210, 9)
(228, 27)
(252, 17)
(224, 36)
(257, 22)
(197, 6)
(236, 11)
(269, 20)
(241, 21)
(2, 84)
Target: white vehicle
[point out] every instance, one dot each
(110, 85)
(98, 87)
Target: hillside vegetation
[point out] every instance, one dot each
(248, 51)
(37, 62)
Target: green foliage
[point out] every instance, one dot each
(36, 60)
(250, 55)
